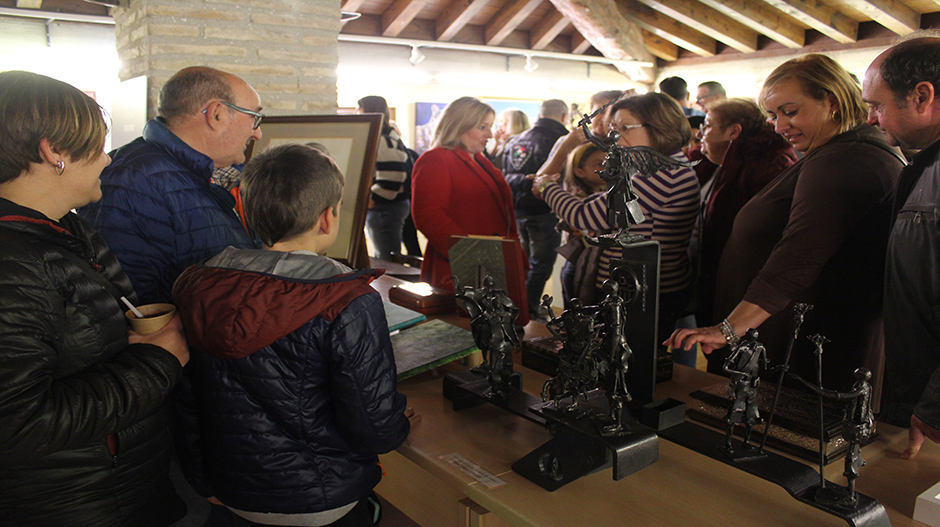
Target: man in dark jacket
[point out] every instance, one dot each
(159, 212)
(523, 155)
(902, 88)
(295, 377)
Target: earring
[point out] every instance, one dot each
(60, 167)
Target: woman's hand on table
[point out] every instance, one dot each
(916, 435)
(711, 338)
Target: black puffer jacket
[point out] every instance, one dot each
(524, 155)
(83, 434)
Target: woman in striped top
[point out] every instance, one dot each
(669, 198)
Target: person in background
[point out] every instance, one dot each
(523, 155)
(296, 398)
(564, 146)
(509, 123)
(159, 212)
(749, 154)
(581, 179)
(709, 92)
(457, 191)
(816, 234)
(678, 89)
(669, 199)
(83, 428)
(902, 89)
(389, 204)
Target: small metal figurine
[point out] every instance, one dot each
(744, 365)
(799, 312)
(577, 367)
(491, 322)
(858, 423)
(617, 355)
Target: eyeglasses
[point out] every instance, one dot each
(702, 97)
(624, 128)
(258, 116)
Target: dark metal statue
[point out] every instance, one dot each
(744, 365)
(577, 365)
(858, 423)
(491, 322)
(617, 354)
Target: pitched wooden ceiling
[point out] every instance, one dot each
(670, 30)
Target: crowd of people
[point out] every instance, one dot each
(276, 376)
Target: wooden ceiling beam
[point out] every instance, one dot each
(709, 21)
(821, 17)
(508, 19)
(543, 33)
(399, 15)
(891, 14)
(456, 17)
(762, 18)
(352, 6)
(668, 28)
(660, 47)
(579, 44)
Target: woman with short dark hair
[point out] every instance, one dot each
(84, 438)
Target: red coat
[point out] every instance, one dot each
(454, 193)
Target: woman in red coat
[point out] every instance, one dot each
(456, 190)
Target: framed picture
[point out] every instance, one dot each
(352, 141)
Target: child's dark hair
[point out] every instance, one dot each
(576, 159)
(286, 188)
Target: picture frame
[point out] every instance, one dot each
(352, 141)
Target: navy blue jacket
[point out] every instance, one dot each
(160, 214)
(524, 155)
(293, 376)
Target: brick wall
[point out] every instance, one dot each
(286, 49)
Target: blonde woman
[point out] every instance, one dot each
(509, 123)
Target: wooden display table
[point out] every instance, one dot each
(683, 488)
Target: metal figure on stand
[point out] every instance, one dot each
(799, 312)
(858, 423)
(744, 365)
(577, 367)
(617, 355)
(491, 322)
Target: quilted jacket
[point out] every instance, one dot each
(159, 212)
(84, 438)
(293, 391)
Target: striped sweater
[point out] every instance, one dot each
(669, 200)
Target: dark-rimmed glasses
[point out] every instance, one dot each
(257, 116)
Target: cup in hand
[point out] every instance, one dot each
(155, 317)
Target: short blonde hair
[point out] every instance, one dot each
(820, 76)
(34, 107)
(457, 118)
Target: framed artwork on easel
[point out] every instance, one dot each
(352, 141)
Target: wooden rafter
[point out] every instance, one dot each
(602, 24)
(399, 15)
(709, 21)
(660, 47)
(891, 14)
(820, 17)
(455, 17)
(762, 18)
(352, 6)
(668, 28)
(579, 44)
(507, 20)
(543, 33)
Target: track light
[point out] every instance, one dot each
(530, 64)
(416, 56)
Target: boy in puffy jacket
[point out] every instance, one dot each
(292, 393)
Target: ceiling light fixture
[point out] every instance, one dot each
(530, 64)
(416, 56)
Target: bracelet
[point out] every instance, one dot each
(543, 185)
(730, 336)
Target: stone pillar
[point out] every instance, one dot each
(286, 49)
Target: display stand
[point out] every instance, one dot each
(577, 448)
(798, 479)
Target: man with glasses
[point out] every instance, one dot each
(708, 93)
(159, 212)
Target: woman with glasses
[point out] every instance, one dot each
(816, 234)
(669, 198)
(749, 154)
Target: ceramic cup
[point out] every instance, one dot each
(155, 317)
